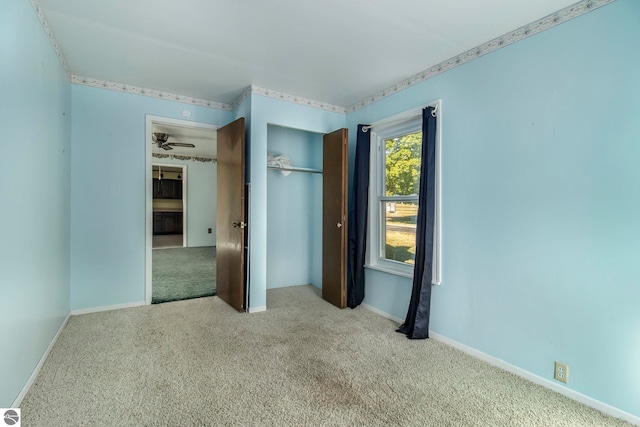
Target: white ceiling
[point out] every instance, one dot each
(334, 51)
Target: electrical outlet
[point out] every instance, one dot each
(210, 231)
(561, 372)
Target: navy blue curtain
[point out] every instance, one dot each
(358, 221)
(416, 324)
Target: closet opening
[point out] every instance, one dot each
(294, 208)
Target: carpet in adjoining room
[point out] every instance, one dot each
(183, 273)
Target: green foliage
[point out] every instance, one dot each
(403, 164)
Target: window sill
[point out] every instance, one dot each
(389, 270)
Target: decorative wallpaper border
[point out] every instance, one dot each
(242, 97)
(103, 84)
(191, 158)
(52, 39)
(297, 100)
(521, 33)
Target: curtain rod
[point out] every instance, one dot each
(433, 113)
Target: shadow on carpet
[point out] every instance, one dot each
(183, 273)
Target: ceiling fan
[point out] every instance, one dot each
(162, 140)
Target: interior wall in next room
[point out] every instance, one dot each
(294, 210)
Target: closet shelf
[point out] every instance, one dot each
(294, 169)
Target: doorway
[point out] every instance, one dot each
(181, 219)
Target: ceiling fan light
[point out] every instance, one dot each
(160, 137)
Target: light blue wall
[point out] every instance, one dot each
(108, 191)
(540, 183)
(294, 210)
(244, 111)
(541, 204)
(266, 111)
(35, 192)
(201, 200)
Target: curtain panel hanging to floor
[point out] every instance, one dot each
(358, 220)
(416, 324)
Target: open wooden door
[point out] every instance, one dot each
(334, 217)
(231, 216)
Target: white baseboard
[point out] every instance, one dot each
(34, 374)
(383, 314)
(257, 309)
(572, 394)
(107, 308)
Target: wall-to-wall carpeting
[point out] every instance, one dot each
(303, 362)
(183, 273)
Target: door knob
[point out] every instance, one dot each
(338, 225)
(239, 224)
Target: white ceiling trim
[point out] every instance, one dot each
(103, 84)
(52, 39)
(521, 33)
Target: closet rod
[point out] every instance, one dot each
(277, 168)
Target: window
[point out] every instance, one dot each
(398, 199)
(396, 151)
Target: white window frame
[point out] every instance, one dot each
(406, 122)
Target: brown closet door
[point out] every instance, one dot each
(334, 217)
(231, 216)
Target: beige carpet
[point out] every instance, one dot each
(301, 363)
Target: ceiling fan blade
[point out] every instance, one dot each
(181, 144)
